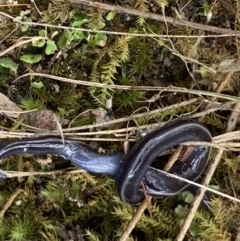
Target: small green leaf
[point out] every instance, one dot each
(9, 64)
(42, 33)
(37, 85)
(180, 210)
(25, 13)
(79, 23)
(41, 42)
(51, 47)
(101, 25)
(194, 229)
(62, 111)
(187, 197)
(110, 16)
(31, 58)
(65, 39)
(78, 34)
(24, 27)
(38, 43)
(100, 39)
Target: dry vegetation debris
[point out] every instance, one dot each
(110, 70)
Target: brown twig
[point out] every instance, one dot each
(13, 174)
(172, 89)
(134, 220)
(147, 199)
(9, 203)
(146, 203)
(173, 159)
(16, 5)
(20, 43)
(208, 176)
(199, 197)
(221, 194)
(220, 87)
(157, 17)
(117, 32)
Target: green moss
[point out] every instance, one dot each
(52, 206)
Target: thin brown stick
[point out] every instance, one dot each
(120, 120)
(157, 17)
(12, 174)
(135, 116)
(146, 203)
(221, 194)
(20, 43)
(134, 220)
(116, 132)
(199, 198)
(171, 89)
(9, 203)
(173, 159)
(232, 120)
(221, 86)
(116, 32)
(147, 199)
(16, 5)
(9, 34)
(208, 176)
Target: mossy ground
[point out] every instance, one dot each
(125, 50)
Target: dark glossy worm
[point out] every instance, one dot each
(135, 166)
(130, 170)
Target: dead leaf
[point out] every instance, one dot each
(8, 107)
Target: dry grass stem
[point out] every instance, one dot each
(232, 120)
(157, 17)
(116, 132)
(199, 197)
(174, 157)
(16, 5)
(225, 34)
(13, 174)
(134, 220)
(93, 55)
(20, 43)
(9, 203)
(209, 172)
(221, 86)
(201, 186)
(171, 89)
